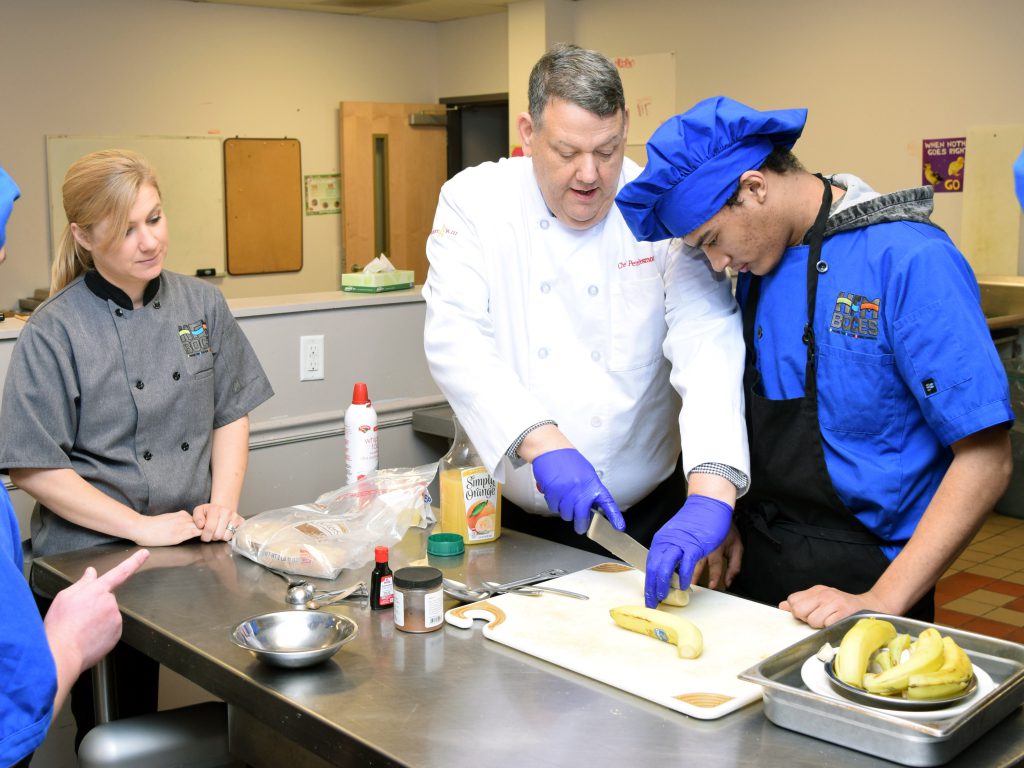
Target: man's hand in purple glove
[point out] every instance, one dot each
(571, 487)
(692, 534)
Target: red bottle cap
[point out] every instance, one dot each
(359, 395)
(380, 554)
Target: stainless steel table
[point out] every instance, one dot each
(447, 699)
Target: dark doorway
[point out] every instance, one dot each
(477, 130)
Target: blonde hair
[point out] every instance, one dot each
(101, 186)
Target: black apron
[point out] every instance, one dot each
(795, 529)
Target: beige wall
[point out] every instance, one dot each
(166, 67)
(472, 56)
(878, 77)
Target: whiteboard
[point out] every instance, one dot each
(190, 171)
(649, 81)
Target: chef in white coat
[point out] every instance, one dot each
(580, 361)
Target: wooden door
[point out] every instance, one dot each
(393, 163)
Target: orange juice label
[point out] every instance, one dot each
(471, 504)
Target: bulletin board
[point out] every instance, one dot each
(190, 172)
(263, 205)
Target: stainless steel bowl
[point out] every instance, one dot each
(294, 638)
(894, 702)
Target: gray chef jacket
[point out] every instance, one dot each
(128, 398)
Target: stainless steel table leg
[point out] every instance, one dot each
(103, 691)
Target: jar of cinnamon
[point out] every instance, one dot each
(419, 599)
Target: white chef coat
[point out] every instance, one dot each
(529, 320)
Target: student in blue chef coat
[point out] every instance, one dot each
(877, 406)
(39, 661)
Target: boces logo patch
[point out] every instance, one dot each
(195, 339)
(855, 316)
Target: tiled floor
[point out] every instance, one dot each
(983, 591)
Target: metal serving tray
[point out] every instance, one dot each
(919, 741)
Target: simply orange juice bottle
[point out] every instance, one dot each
(470, 497)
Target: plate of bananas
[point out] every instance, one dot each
(881, 667)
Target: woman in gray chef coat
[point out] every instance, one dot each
(125, 411)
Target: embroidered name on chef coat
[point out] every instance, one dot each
(856, 316)
(195, 339)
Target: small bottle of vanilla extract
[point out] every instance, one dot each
(382, 588)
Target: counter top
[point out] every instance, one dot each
(260, 306)
(313, 302)
(445, 699)
(11, 327)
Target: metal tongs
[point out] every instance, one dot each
(352, 592)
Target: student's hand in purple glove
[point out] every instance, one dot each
(692, 534)
(571, 488)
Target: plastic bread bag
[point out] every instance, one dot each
(341, 528)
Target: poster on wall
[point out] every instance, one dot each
(942, 163)
(649, 81)
(323, 193)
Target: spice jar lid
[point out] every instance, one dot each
(418, 577)
(445, 544)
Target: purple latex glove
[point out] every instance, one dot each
(692, 534)
(571, 487)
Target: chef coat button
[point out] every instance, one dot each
(595, 421)
(592, 290)
(119, 312)
(542, 352)
(595, 355)
(184, 446)
(544, 223)
(760, 332)
(545, 287)
(175, 375)
(147, 455)
(139, 385)
(156, 304)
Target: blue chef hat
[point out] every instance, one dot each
(695, 160)
(9, 192)
(1018, 175)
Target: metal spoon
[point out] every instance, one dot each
(299, 592)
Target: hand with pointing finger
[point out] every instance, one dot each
(84, 622)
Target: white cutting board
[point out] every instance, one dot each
(580, 635)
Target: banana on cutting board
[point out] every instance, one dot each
(663, 626)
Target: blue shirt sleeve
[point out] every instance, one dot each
(28, 676)
(942, 344)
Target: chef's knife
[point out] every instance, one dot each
(622, 545)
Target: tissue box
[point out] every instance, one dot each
(375, 282)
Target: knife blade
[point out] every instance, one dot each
(622, 545)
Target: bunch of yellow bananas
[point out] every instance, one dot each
(934, 667)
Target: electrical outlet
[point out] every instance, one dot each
(311, 357)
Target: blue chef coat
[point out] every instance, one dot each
(906, 365)
(28, 676)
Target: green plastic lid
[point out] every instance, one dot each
(445, 544)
